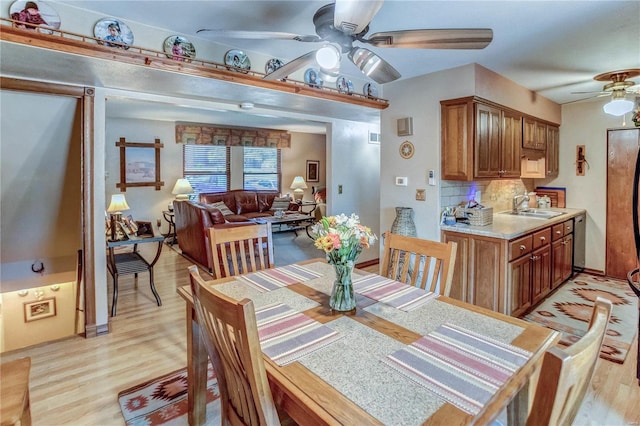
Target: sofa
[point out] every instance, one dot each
(241, 206)
(193, 219)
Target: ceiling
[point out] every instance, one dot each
(551, 47)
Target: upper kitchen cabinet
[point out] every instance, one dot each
(553, 150)
(534, 134)
(480, 140)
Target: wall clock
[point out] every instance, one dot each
(406, 149)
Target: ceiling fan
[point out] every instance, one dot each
(618, 89)
(338, 25)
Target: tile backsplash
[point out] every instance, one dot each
(496, 193)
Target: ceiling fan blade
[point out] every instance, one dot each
(478, 38)
(373, 66)
(292, 66)
(257, 35)
(353, 17)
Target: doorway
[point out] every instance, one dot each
(623, 146)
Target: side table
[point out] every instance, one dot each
(171, 236)
(131, 263)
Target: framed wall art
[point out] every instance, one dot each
(313, 171)
(39, 309)
(139, 164)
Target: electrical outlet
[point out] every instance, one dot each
(158, 222)
(339, 189)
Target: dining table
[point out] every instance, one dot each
(403, 356)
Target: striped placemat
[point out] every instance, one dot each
(391, 292)
(273, 279)
(287, 335)
(458, 365)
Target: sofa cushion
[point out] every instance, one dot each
(220, 205)
(280, 203)
(236, 218)
(265, 199)
(246, 202)
(216, 215)
(228, 198)
(253, 215)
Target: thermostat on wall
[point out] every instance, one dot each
(401, 181)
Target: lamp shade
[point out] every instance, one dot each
(182, 189)
(618, 107)
(298, 183)
(118, 204)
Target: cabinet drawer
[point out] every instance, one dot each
(557, 231)
(568, 226)
(541, 238)
(520, 246)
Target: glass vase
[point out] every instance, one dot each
(342, 296)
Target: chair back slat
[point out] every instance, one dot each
(419, 262)
(566, 373)
(241, 249)
(230, 333)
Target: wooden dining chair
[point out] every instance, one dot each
(566, 373)
(241, 249)
(419, 262)
(230, 334)
(15, 405)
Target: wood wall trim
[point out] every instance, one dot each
(85, 95)
(67, 42)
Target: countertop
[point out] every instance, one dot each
(508, 227)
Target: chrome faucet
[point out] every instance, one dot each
(517, 201)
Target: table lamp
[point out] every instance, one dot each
(298, 185)
(117, 205)
(182, 189)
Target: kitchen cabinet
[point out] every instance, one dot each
(480, 140)
(562, 253)
(478, 274)
(534, 134)
(553, 151)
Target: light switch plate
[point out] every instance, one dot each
(432, 177)
(401, 181)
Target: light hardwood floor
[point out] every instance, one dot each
(76, 381)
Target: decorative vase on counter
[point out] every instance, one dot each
(403, 223)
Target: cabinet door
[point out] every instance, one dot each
(553, 151)
(519, 285)
(487, 142)
(528, 133)
(541, 136)
(484, 282)
(540, 273)
(557, 263)
(460, 281)
(456, 145)
(567, 264)
(511, 143)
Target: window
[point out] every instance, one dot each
(206, 167)
(261, 169)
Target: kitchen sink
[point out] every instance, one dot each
(535, 213)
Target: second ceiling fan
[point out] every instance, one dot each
(338, 25)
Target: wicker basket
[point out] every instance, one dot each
(478, 217)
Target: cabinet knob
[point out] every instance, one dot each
(559, 232)
(542, 239)
(522, 247)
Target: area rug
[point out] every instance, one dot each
(163, 401)
(569, 309)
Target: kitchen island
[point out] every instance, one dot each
(513, 263)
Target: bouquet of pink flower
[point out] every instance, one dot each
(342, 237)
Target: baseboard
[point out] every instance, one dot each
(590, 272)
(368, 263)
(97, 330)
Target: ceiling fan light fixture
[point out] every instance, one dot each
(328, 57)
(618, 107)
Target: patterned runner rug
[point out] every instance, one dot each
(163, 401)
(568, 310)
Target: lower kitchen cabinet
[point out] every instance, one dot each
(511, 276)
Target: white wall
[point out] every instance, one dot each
(584, 123)
(304, 146)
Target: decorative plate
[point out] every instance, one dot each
(179, 48)
(312, 77)
(237, 60)
(370, 90)
(38, 16)
(344, 85)
(406, 149)
(272, 65)
(114, 32)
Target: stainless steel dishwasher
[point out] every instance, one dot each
(579, 231)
